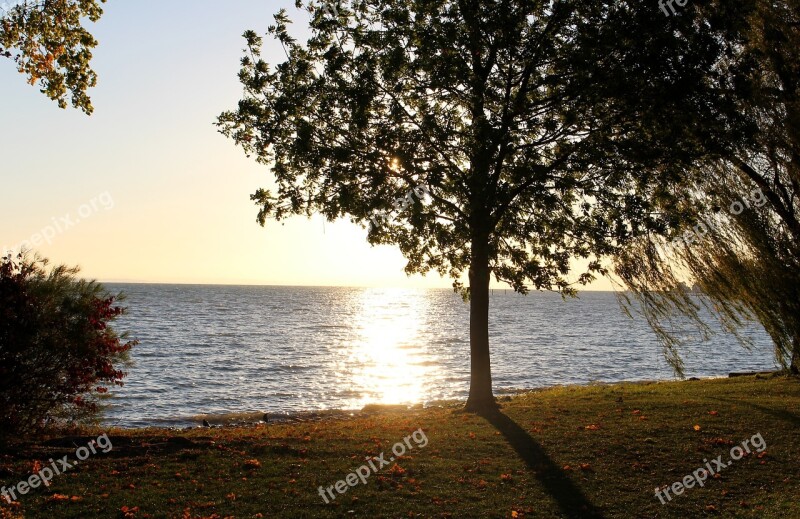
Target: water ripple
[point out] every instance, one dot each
(239, 350)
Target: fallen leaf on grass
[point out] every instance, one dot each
(720, 441)
(252, 464)
(61, 498)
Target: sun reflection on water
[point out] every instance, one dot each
(388, 362)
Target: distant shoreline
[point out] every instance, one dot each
(258, 285)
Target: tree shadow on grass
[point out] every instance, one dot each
(783, 415)
(570, 499)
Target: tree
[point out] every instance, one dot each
(58, 352)
(49, 44)
(741, 246)
(523, 119)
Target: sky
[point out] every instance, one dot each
(146, 189)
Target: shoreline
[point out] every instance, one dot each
(248, 419)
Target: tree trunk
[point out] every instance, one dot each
(480, 398)
(795, 366)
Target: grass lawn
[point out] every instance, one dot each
(597, 451)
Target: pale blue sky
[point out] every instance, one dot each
(181, 210)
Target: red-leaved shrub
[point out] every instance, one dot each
(58, 352)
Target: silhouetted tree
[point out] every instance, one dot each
(544, 131)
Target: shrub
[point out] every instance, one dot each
(58, 352)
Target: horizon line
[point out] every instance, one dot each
(180, 283)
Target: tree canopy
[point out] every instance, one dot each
(49, 44)
(739, 244)
(544, 131)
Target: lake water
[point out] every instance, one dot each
(238, 350)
